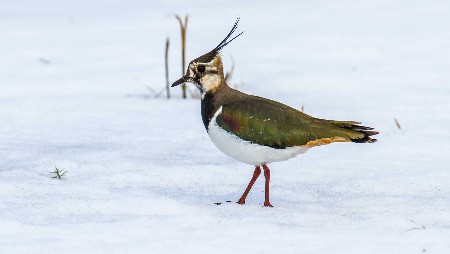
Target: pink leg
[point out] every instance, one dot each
(267, 187)
(256, 173)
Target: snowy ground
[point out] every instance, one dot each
(142, 174)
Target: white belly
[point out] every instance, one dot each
(245, 151)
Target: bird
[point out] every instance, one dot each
(256, 130)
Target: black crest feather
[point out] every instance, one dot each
(225, 41)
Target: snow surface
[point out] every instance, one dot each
(143, 175)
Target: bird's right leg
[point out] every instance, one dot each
(256, 173)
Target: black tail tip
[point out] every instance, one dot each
(365, 139)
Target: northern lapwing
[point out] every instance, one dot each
(256, 130)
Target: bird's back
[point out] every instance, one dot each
(274, 124)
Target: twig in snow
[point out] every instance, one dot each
(154, 92)
(228, 201)
(195, 94)
(229, 73)
(44, 61)
(59, 173)
(398, 124)
(417, 227)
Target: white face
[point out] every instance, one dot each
(207, 76)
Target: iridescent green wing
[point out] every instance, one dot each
(274, 124)
(266, 123)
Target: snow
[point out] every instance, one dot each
(142, 173)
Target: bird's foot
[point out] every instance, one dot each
(267, 204)
(241, 201)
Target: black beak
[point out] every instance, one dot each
(181, 81)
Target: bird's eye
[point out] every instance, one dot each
(201, 68)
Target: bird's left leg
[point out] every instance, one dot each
(267, 186)
(250, 185)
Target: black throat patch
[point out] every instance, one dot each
(208, 109)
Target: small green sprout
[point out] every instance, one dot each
(59, 173)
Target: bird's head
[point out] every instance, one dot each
(206, 71)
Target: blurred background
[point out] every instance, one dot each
(65, 47)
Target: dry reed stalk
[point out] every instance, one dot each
(183, 28)
(166, 57)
